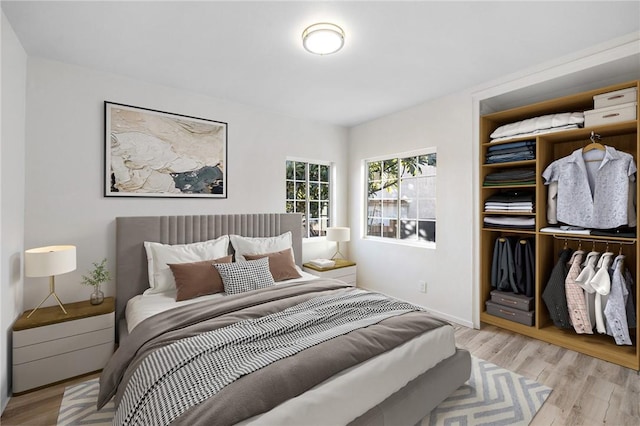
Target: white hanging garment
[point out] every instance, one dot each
(601, 283)
(584, 279)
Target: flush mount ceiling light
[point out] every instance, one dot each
(323, 38)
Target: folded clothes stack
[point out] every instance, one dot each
(513, 151)
(538, 126)
(511, 177)
(516, 222)
(510, 201)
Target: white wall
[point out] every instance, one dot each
(394, 268)
(12, 190)
(65, 151)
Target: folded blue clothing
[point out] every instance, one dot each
(520, 144)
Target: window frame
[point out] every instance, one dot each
(331, 200)
(397, 239)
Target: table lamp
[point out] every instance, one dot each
(48, 262)
(338, 234)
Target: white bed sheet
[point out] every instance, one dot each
(143, 306)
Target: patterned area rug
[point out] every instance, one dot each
(491, 396)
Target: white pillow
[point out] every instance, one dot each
(160, 255)
(239, 277)
(261, 245)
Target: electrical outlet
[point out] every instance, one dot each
(422, 286)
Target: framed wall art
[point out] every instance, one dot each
(151, 153)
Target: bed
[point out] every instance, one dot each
(390, 365)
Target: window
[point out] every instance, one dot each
(308, 192)
(401, 197)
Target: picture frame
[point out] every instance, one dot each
(151, 153)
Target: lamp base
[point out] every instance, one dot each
(52, 292)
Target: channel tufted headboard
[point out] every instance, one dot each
(131, 232)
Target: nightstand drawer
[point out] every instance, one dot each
(46, 333)
(60, 367)
(51, 348)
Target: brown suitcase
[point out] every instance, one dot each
(506, 312)
(516, 301)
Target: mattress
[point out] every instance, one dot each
(372, 381)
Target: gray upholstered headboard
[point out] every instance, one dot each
(131, 232)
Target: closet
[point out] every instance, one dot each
(521, 173)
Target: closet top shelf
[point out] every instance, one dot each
(578, 102)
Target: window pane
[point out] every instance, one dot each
(301, 207)
(324, 209)
(324, 173)
(314, 209)
(313, 172)
(290, 169)
(314, 191)
(427, 230)
(301, 171)
(390, 209)
(324, 191)
(408, 188)
(389, 228)
(410, 166)
(301, 191)
(408, 209)
(314, 228)
(427, 208)
(374, 227)
(290, 190)
(290, 207)
(408, 229)
(390, 189)
(375, 170)
(374, 208)
(390, 169)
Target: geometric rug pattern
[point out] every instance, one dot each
(491, 396)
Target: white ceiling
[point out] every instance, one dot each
(396, 54)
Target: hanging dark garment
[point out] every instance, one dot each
(503, 269)
(524, 259)
(554, 294)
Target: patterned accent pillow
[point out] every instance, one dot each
(239, 277)
(281, 264)
(195, 279)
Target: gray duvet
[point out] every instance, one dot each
(268, 385)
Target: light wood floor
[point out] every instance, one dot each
(586, 391)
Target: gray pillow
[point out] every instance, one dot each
(239, 277)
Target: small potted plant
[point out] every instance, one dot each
(97, 276)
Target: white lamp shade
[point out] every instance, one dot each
(338, 233)
(50, 260)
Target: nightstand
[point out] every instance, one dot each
(51, 346)
(344, 270)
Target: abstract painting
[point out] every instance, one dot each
(151, 153)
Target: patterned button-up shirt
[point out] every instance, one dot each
(575, 297)
(596, 195)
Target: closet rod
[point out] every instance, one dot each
(594, 240)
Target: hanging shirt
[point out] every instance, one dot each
(597, 193)
(554, 296)
(575, 296)
(601, 283)
(614, 312)
(584, 281)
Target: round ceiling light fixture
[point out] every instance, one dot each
(323, 38)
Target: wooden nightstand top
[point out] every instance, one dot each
(340, 263)
(54, 315)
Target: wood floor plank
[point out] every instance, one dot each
(586, 391)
